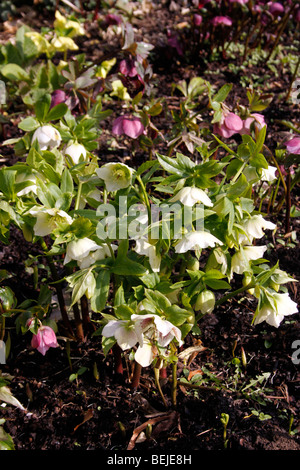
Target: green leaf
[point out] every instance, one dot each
(14, 73)
(176, 315)
(126, 267)
(42, 107)
(28, 124)
(67, 185)
(57, 112)
(222, 94)
(217, 284)
(7, 182)
(99, 299)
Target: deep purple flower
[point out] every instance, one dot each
(128, 125)
(112, 19)
(57, 97)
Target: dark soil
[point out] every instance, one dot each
(102, 413)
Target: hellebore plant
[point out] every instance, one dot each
(148, 249)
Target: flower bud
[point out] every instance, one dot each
(205, 301)
(76, 152)
(47, 136)
(193, 264)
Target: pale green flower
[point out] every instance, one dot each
(115, 175)
(76, 152)
(48, 220)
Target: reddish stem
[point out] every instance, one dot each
(117, 352)
(136, 375)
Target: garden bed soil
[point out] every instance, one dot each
(100, 411)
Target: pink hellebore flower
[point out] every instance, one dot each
(197, 19)
(256, 118)
(241, 2)
(230, 124)
(44, 339)
(128, 125)
(275, 8)
(221, 20)
(128, 68)
(293, 146)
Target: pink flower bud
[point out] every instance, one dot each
(275, 8)
(293, 145)
(44, 339)
(129, 125)
(222, 20)
(197, 19)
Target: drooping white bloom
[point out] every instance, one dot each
(80, 249)
(268, 174)
(97, 255)
(48, 220)
(76, 152)
(126, 333)
(115, 175)
(284, 306)
(153, 326)
(240, 260)
(155, 330)
(254, 228)
(145, 354)
(47, 136)
(197, 240)
(190, 196)
(142, 247)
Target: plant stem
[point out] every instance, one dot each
(174, 384)
(117, 352)
(234, 293)
(288, 202)
(136, 375)
(58, 288)
(78, 196)
(145, 196)
(156, 375)
(78, 323)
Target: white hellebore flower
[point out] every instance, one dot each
(190, 196)
(197, 240)
(240, 260)
(80, 249)
(155, 329)
(268, 174)
(284, 306)
(254, 228)
(75, 151)
(126, 333)
(115, 175)
(101, 253)
(142, 247)
(47, 136)
(48, 220)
